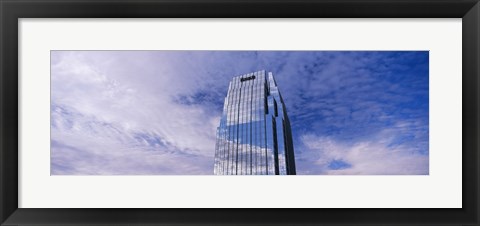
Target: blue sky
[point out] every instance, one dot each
(155, 112)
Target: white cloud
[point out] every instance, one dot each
(375, 156)
(109, 98)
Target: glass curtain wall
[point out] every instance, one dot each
(254, 136)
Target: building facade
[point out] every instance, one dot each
(254, 136)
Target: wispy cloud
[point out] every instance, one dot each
(381, 154)
(124, 117)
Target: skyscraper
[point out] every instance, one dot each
(254, 136)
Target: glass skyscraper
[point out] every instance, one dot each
(254, 136)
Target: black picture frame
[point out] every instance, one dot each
(12, 10)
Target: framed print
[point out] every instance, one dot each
(123, 112)
(178, 147)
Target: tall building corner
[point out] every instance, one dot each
(254, 136)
